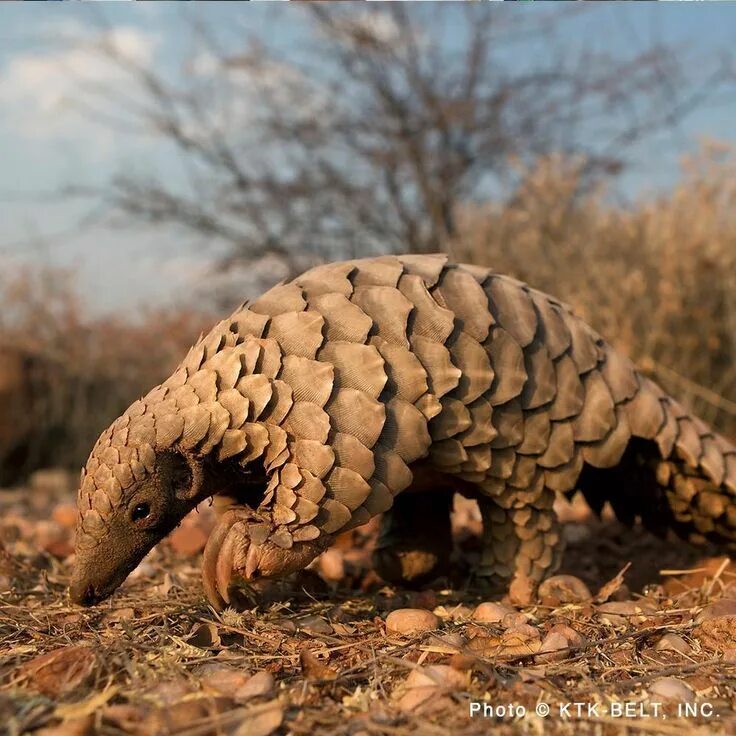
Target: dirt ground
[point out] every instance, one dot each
(649, 651)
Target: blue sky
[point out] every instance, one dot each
(45, 143)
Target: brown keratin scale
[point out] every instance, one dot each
(383, 386)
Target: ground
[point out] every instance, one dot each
(319, 654)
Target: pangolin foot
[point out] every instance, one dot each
(245, 545)
(520, 589)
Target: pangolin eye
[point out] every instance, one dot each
(140, 511)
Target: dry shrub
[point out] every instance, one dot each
(657, 278)
(64, 377)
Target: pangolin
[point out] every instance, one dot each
(383, 386)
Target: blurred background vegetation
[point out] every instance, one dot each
(382, 131)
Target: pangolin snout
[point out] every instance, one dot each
(83, 593)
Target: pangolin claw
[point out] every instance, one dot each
(225, 555)
(224, 565)
(209, 565)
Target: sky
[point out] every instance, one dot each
(47, 144)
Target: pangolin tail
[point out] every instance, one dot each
(676, 473)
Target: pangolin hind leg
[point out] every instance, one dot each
(415, 542)
(521, 542)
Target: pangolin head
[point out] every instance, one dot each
(132, 494)
(196, 435)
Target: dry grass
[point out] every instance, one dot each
(157, 659)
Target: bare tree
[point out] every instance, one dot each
(369, 136)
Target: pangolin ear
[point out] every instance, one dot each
(186, 477)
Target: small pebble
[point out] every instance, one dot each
(491, 612)
(574, 638)
(224, 679)
(560, 589)
(673, 643)
(331, 565)
(65, 515)
(261, 684)
(124, 716)
(416, 697)
(453, 640)
(436, 675)
(554, 648)
(670, 688)
(618, 613)
(169, 692)
(84, 726)
(411, 621)
(514, 619)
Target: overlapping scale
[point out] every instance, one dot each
(343, 320)
(460, 292)
(279, 300)
(298, 333)
(356, 366)
(512, 308)
(388, 308)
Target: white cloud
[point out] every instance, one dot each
(40, 91)
(378, 25)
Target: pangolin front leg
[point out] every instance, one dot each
(415, 542)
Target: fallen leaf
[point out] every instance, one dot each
(609, 588)
(204, 636)
(314, 669)
(59, 672)
(315, 625)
